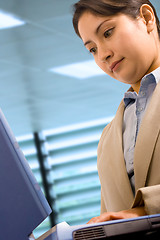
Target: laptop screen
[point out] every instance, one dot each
(22, 204)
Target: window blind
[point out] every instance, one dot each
(73, 160)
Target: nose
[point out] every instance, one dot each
(104, 54)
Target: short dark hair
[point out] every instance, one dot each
(110, 8)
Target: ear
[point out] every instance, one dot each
(147, 13)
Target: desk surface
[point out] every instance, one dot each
(53, 229)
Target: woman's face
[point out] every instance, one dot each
(122, 47)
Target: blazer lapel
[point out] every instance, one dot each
(122, 179)
(112, 168)
(146, 139)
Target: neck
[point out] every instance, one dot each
(136, 86)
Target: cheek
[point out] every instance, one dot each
(134, 44)
(125, 46)
(129, 40)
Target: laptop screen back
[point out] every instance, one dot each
(22, 204)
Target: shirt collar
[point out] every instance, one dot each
(151, 78)
(156, 74)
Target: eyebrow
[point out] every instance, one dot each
(87, 43)
(97, 30)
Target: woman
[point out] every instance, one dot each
(124, 39)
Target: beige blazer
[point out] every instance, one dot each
(115, 186)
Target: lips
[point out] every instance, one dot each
(115, 64)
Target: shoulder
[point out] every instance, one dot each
(111, 127)
(104, 133)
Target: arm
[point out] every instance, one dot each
(149, 197)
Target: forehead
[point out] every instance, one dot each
(88, 22)
(89, 19)
(91, 23)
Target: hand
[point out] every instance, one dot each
(107, 216)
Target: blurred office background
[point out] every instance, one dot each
(57, 103)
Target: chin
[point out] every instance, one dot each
(128, 77)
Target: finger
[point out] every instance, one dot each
(106, 217)
(110, 216)
(101, 218)
(93, 220)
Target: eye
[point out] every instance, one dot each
(93, 50)
(108, 33)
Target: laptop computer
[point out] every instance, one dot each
(23, 206)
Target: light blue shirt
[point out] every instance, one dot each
(135, 107)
